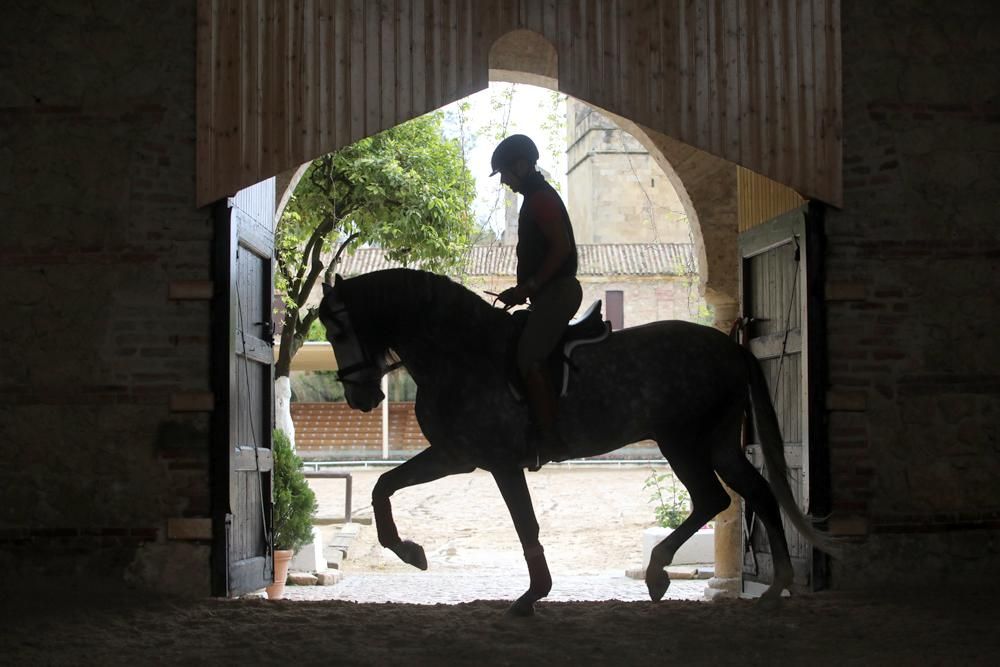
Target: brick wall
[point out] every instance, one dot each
(333, 431)
(97, 188)
(912, 306)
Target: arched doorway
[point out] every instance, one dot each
(358, 65)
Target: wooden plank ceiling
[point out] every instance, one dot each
(756, 82)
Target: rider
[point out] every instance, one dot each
(546, 274)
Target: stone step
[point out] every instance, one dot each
(338, 545)
(676, 572)
(351, 529)
(329, 578)
(302, 579)
(334, 520)
(334, 557)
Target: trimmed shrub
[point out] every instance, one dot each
(294, 501)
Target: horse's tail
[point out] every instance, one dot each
(773, 449)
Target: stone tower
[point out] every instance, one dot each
(617, 192)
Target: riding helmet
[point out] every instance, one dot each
(514, 147)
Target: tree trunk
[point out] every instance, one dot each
(283, 407)
(295, 326)
(282, 373)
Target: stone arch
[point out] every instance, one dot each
(285, 184)
(524, 55)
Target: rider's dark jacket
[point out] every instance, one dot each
(540, 198)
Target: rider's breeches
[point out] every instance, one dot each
(551, 309)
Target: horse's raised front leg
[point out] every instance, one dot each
(426, 466)
(515, 494)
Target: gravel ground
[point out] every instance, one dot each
(591, 519)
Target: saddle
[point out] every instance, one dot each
(587, 329)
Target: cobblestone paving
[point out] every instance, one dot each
(591, 519)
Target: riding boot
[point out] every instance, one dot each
(544, 442)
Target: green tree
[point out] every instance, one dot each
(405, 190)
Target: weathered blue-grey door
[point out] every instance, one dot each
(780, 279)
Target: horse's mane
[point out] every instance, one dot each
(388, 305)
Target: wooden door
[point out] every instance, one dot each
(781, 302)
(243, 361)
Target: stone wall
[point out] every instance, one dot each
(649, 298)
(912, 307)
(97, 189)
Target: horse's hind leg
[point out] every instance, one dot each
(426, 466)
(518, 500)
(693, 468)
(736, 471)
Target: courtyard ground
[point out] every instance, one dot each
(591, 520)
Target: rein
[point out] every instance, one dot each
(409, 285)
(362, 365)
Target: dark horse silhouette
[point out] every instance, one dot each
(683, 385)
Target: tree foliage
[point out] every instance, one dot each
(405, 190)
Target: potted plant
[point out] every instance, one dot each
(671, 505)
(294, 507)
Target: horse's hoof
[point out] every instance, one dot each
(657, 582)
(521, 608)
(412, 553)
(771, 599)
(764, 602)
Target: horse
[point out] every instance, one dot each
(685, 386)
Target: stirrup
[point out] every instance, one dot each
(540, 444)
(532, 461)
(532, 457)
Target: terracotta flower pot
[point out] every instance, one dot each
(282, 557)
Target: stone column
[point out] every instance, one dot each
(728, 559)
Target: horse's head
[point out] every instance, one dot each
(358, 370)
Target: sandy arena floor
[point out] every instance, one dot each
(926, 628)
(590, 522)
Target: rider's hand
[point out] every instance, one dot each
(514, 296)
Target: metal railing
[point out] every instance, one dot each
(330, 474)
(380, 463)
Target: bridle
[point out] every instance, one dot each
(367, 360)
